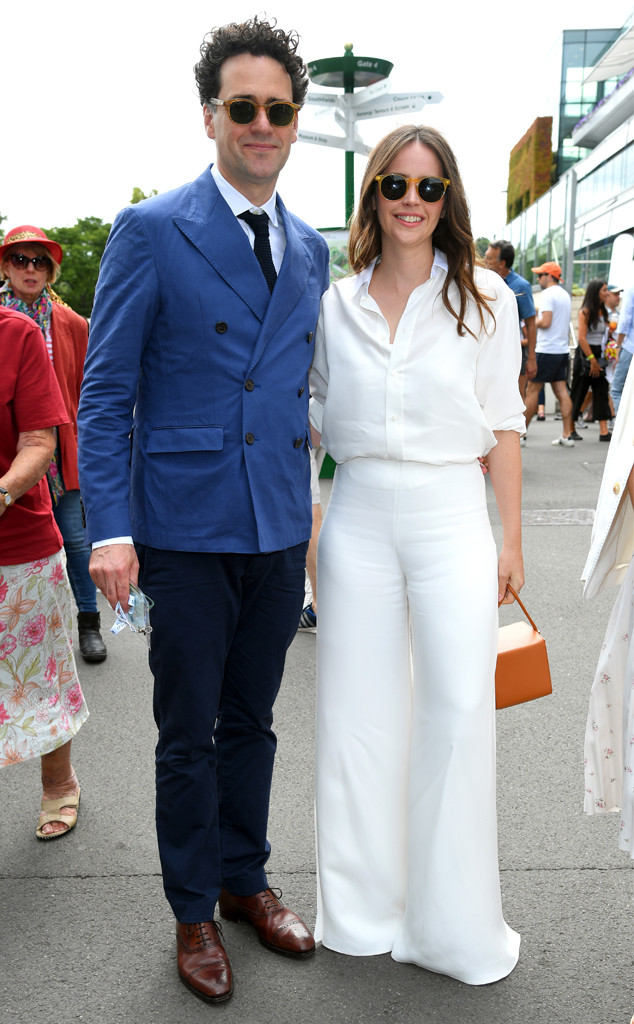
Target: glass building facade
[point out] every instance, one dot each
(581, 49)
(578, 219)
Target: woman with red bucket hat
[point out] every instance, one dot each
(29, 264)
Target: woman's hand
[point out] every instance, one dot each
(595, 369)
(505, 467)
(510, 570)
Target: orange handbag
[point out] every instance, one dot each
(522, 672)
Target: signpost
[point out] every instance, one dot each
(373, 100)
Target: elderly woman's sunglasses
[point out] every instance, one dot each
(395, 186)
(21, 262)
(280, 114)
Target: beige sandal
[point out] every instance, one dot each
(51, 811)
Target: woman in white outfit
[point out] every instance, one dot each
(415, 378)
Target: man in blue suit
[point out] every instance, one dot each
(195, 477)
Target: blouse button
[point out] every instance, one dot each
(249, 385)
(616, 489)
(309, 337)
(221, 327)
(298, 442)
(249, 438)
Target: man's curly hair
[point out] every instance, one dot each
(258, 38)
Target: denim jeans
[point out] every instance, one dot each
(620, 374)
(68, 517)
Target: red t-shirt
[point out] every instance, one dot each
(30, 399)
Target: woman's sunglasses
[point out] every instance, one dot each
(22, 262)
(280, 114)
(395, 186)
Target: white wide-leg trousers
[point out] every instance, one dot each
(406, 818)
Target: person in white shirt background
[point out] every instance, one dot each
(552, 349)
(414, 378)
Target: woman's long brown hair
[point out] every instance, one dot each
(452, 235)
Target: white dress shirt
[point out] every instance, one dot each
(238, 204)
(432, 396)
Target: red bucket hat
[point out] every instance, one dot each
(28, 233)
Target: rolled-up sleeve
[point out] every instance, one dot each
(498, 367)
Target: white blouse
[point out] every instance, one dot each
(431, 396)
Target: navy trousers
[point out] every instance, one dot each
(222, 624)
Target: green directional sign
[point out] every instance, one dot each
(349, 73)
(337, 72)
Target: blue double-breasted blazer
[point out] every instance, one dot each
(193, 419)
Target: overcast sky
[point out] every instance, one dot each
(99, 98)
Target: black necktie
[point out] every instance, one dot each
(259, 224)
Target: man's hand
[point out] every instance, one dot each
(531, 367)
(112, 568)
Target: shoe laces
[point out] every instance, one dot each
(271, 898)
(201, 935)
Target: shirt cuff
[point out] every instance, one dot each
(112, 540)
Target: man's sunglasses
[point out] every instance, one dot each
(280, 114)
(22, 262)
(395, 186)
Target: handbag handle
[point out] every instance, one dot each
(517, 598)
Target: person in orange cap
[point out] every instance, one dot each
(552, 349)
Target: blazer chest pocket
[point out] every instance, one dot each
(163, 440)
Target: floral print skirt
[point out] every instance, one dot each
(41, 702)
(609, 742)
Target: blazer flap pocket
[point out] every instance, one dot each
(186, 439)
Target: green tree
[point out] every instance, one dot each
(138, 195)
(2, 218)
(83, 246)
(481, 244)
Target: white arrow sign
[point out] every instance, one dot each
(327, 98)
(368, 94)
(396, 103)
(352, 145)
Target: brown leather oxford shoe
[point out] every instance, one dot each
(203, 964)
(278, 928)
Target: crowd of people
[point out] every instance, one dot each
(212, 326)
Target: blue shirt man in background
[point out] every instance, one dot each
(500, 257)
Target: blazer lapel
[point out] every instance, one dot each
(291, 281)
(211, 227)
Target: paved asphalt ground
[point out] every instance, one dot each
(85, 932)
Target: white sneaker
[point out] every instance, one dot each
(565, 442)
(581, 425)
(523, 441)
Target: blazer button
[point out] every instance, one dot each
(300, 392)
(616, 489)
(248, 385)
(221, 327)
(309, 337)
(249, 438)
(298, 442)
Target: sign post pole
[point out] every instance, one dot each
(369, 75)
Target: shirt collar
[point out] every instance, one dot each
(362, 279)
(238, 203)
